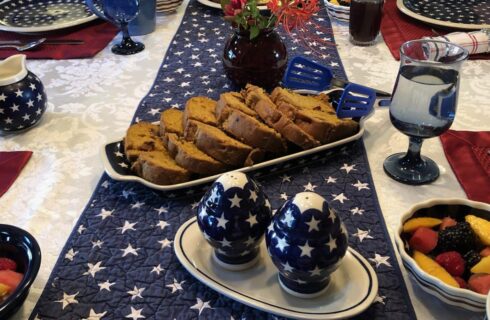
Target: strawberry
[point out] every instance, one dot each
(485, 252)
(423, 240)
(7, 264)
(453, 262)
(461, 282)
(447, 222)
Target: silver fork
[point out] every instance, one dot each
(25, 46)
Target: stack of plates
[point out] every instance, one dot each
(168, 6)
(337, 11)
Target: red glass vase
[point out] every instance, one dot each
(260, 61)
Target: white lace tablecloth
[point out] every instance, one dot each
(92, 101)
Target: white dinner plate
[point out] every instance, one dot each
(352, 289)
(447, 11)
(29, 16)
(217, 5)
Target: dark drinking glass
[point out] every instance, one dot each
(364, 21)
(424, 104)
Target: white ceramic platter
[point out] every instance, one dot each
(117, 168)
(352, 289)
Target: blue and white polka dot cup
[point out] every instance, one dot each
(233, 216)
(306, 241)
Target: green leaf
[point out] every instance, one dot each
(224, 3)
(254, 31)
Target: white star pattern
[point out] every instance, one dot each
(361, 234)
(94, 315)
(127, 226)
(288, 218)
(331, 180)
(3, 97)
(250, 241)
(137, 205)
(175, 286)
(19, 93)
(380, 299)
(252, 220)
(309, 187)
(359, 185)
(332, 244)
(222, 221)
(129, 250)
(253, 196)
(225, 243)
(235, 201)
(157, 270)
(165, 243)
(162, 224)
(70, 254)
(67, 299)
(305, 250)
(308, 200)
(201, 305)
(283, 196)
(97, 243)
(379, 260)
(286, 267)
(356, 210)
(281, 243)
(161, 210)
(105, 285)
(315, 272)
(339, 197)
(93, 268)
(348, 168)
(136, 293)
(313, 224)
(105, 213)
(285, 178)
(135, 314)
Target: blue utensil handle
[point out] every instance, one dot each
(384, 103)
(356, 101)
(90, 4)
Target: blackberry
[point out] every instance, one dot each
(471, 257)
(459, 238)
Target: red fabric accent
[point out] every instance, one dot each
(11, 164)
(398, 28)
(468, 153)
(96, 35)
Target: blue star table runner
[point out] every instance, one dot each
(119, 262)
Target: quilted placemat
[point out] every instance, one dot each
(119, 261)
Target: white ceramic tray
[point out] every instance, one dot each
(352, 289)
(118, 169)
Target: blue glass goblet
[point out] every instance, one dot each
(120, 13)
(423, 104)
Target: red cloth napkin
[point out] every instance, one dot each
(468, 153)
(11, 164)
(95, 35)
(398, 28)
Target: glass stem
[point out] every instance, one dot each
(412, 158)
(124, 28)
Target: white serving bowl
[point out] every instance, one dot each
(337, 11)
(488, 306)
(438, 208)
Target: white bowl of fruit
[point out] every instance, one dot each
(445, 246)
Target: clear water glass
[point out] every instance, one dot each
(423, 104)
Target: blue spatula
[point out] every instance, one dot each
(356, 100)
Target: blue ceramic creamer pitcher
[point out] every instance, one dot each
(22, 97)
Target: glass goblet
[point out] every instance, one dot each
(423, 104)
(121, 12)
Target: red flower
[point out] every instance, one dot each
(293, 13)
(234, 7)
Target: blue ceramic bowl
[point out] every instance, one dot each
(306, 241)
(21, 247)
(233, 216)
